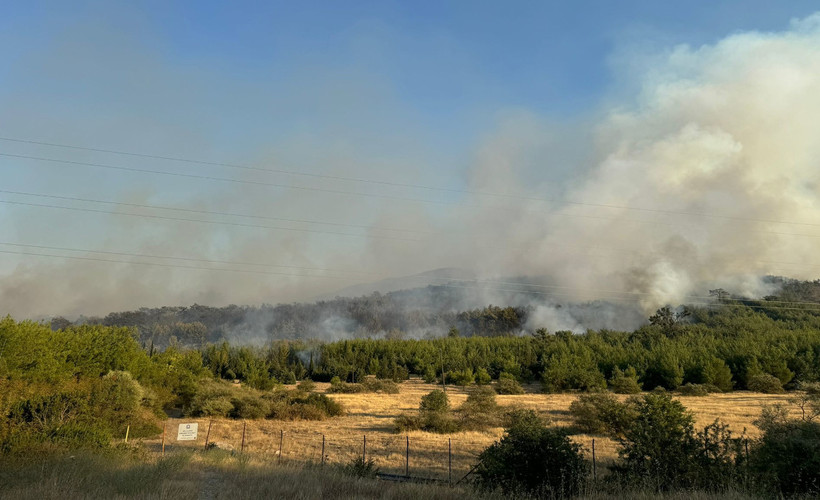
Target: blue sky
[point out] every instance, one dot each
(421, 92)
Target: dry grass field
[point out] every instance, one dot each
(372, 415)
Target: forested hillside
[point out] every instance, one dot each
(417, 313)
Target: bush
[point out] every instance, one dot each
(442, 423)
(339, 387)
(480, 410)
(601, 413)
(361, 468)
(765, 383)
(211, 399)
(482, 377)
(385, 386)
(117, 399)
(624, 382)
(248, 407)
(306, 385)
(434, 413)
(693, 390)
(462, 377)
(41, 423)
(786, 459)
(435, 401)
(660, 449)
(507, 384)
(406, 423)
(657, 447)
(532, 459)
(297, 405)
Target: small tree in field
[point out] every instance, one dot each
(532, 459)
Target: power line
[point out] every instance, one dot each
(399, 184)
(450, 280)
(209, 212)
(259, 226)
(158, 264)
(190, 259)
(203, 221)
(528, 292)
(352, 193)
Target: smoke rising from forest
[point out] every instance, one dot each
(699, 171)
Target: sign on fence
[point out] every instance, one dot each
(187, 432)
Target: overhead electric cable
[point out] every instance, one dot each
(528, 292)
(402, 184)
(528, 285)
(210, 212)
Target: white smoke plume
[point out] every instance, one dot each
(706, 174)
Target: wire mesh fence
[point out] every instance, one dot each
(431, 457)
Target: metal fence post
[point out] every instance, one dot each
(594, 467)
(244, 426)
(364, 448)
(323, 450)
(208, 434)
(407, 457)
(449, 461)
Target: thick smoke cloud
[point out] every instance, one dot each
(706, 175)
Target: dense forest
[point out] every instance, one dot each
(724, 346)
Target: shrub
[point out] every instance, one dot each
(480, 410)
(361, 468)
(370, 384)
(657, 447)
(533, 459)
(339, 387)
(442, 423)
(693, 390)
(248, 407)
(211, 399)
(406, 423)
(624, 382)
(482, 377)
(296, 405)
(462, 377)
(434, 413)
(601, 413)
(765, 383)
(786, 459)
(660, 449)
(435, 401)
(307, 385)
(117, 399)
(385, 386)
(507, 384)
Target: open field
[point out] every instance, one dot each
(372, 415)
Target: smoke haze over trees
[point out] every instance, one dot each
(695, 169)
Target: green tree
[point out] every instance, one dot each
(532, 459)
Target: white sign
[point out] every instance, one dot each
(187, 432)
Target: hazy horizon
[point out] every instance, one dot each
(175, 154)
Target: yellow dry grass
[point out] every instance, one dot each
(372, 415)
